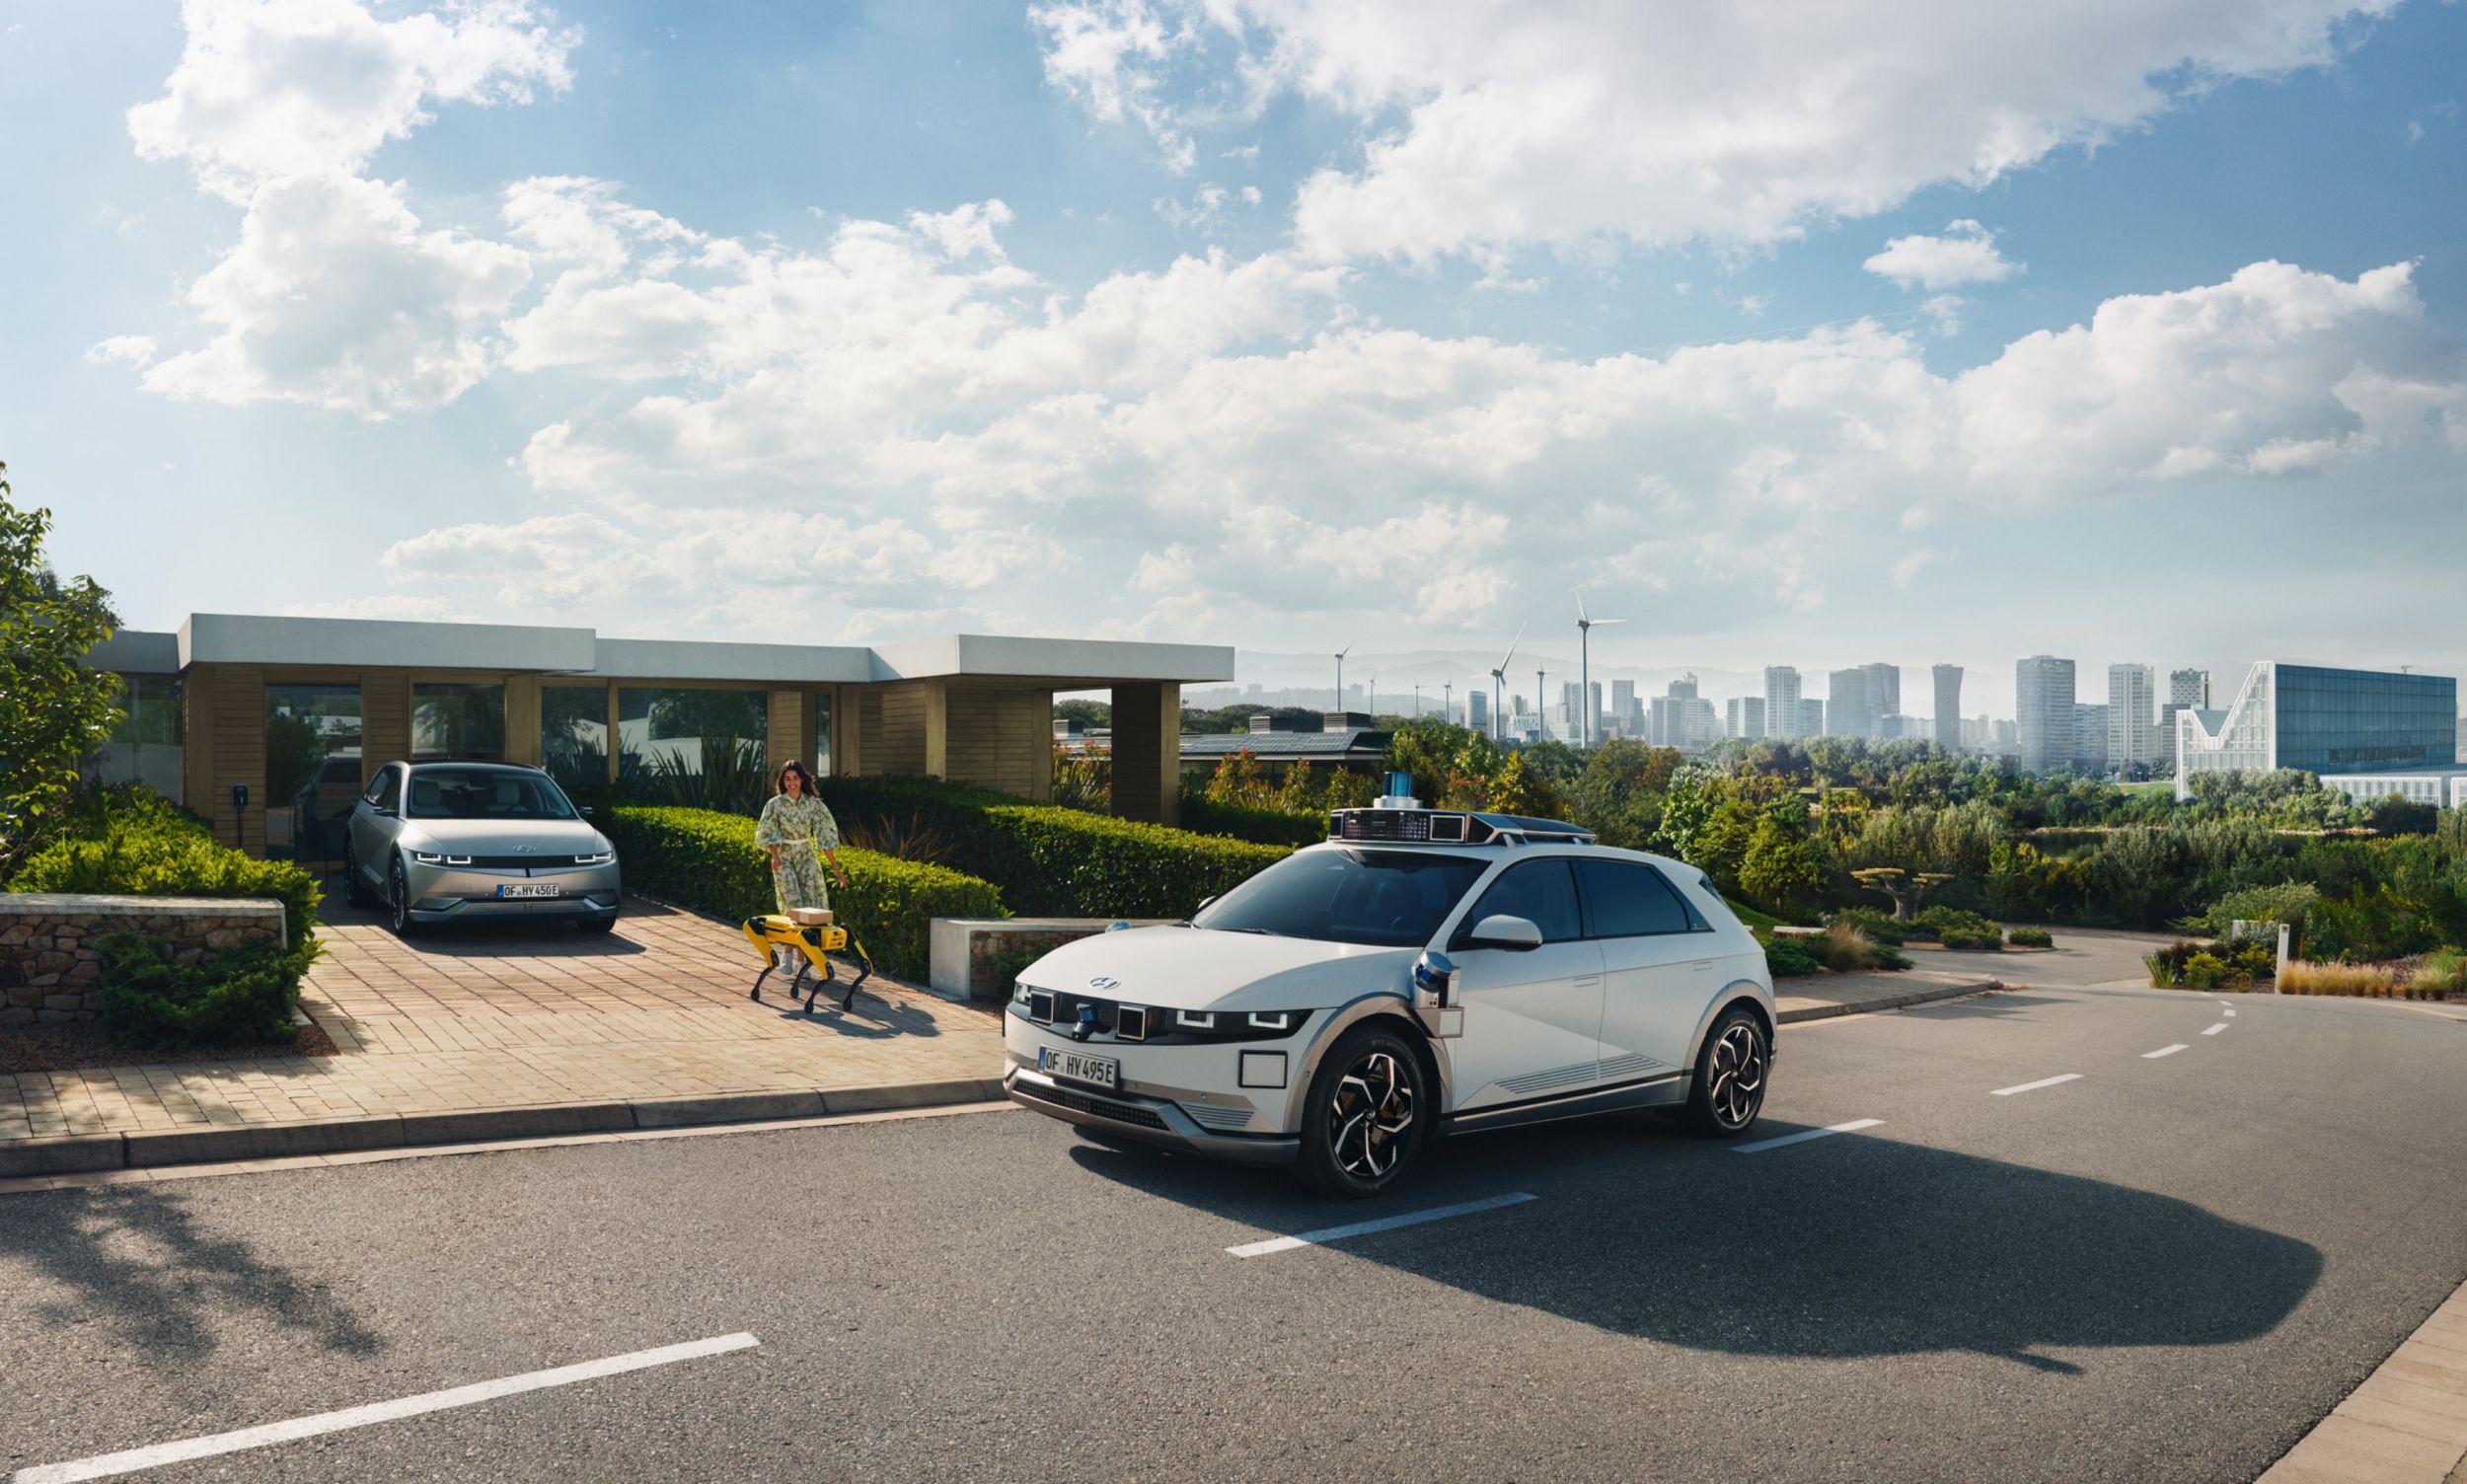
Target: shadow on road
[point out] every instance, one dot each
(2002, 1006)
(495, 938)
(1855, 1246)
(135, 1259)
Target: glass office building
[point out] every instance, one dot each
(2322, 721)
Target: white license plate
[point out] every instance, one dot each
(1078, 1067)
(530, 889)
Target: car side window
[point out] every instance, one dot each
(1623, 899)
(387, 789)
(1539, 891)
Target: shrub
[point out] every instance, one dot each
(1060, 863)
(2206, 971)
(1844, 950)
(243, 994)
(2444, 973)
(1788, 957)
(2286, 902)
(2255, 962)
(1258, 824)
(132, 843)
(708, 861)
(1956, 928)
(2030, 938)
(1875, 922)
(2168, 965)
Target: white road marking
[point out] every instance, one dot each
(2164, 1051)
(1802, 1137)
(2230, 1014)
(2044, 1082)
(2216, 1029)
(1384, 1223)
(105, 1465)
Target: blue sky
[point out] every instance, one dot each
(1260, 323)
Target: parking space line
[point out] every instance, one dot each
(2216, 1029)
(2164, 1051)
(2044, 1082)
(1384, 1223)
(2229, 1012)
(1761, 1145)
(106, 1465)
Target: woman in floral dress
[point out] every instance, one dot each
(796, 824)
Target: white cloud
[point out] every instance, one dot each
(1966, 254)
(1494, 124)
(268, 88)
(336, 297)
(122, 349)
(1907, 569)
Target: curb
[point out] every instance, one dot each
(1895, 1002)
(83, 1153)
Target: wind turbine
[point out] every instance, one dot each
(1585, 626)
(1499, 686)
(1340, 674)
(1541, 712)
(1373, 696)
(1417, 700)
(1448, 702)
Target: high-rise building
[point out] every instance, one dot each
(2325, 722)
(1478, 710)
(2090, 753)
(1948, 706)
(2043, 693)
(1781, 702)
(1811, 718)
(1747, 716)
(1681, 718)
(1859, 698)
(2133, 735)
(1626, 716)
(2190, 688)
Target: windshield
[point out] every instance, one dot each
(484, 793)
(1388, 899)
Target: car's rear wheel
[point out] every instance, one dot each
(355, 890)
(398, 901)
(1731, 1072)
(1367, 1115)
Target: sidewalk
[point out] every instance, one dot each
(644, 1025)
(1819, 996)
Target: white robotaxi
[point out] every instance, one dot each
(1421, 972)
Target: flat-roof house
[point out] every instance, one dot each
(1341, 739)
(297, 711)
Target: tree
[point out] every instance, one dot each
(56, 712)
(1905, 890)
(1782, 865)
(1519, 789)
(1089, 714)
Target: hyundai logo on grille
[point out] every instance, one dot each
(525, 850)
(1104, 983)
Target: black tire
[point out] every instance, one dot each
(355, 890)
(1732, 1071)
(399, 902)
(596, 923)
(1367, 1115)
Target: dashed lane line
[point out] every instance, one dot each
(1384, 1223)
(2164, 1051)
(2044, 1082)
(1802, 1137)
(109, 1465)
(2216, 1029)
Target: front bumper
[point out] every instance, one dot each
(1149, 1120)
(453, 894)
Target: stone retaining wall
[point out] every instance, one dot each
(49, 968)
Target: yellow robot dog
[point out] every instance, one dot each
(812, 941)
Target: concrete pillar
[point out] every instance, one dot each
(1148, 751)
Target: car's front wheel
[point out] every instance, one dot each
(1731, 1072)
(399, 900)
(1367, 1115)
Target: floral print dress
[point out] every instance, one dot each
(801, 827)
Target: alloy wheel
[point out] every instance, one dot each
(401, 897)
(1369, 1116)
(1738, 1068)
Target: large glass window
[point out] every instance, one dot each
(1623, 899)
(573, 734)
(821, 761)
(312, 769)
(453, 723)
(1392, 899)
(667, 733)
(146, 746)
(483, 793)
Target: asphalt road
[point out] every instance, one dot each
(2164, 1269)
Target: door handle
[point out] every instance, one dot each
(1586, 981)
(1702, 966)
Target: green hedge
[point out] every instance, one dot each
(709, 862)
(134, 842)
(1276, 827)
(243, 994)
(1051, 861)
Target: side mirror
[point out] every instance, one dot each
(1500, 930)
(1203, 905)
(381, 812)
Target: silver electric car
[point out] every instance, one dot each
(444, 841)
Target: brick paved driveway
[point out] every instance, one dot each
(508, 1014)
